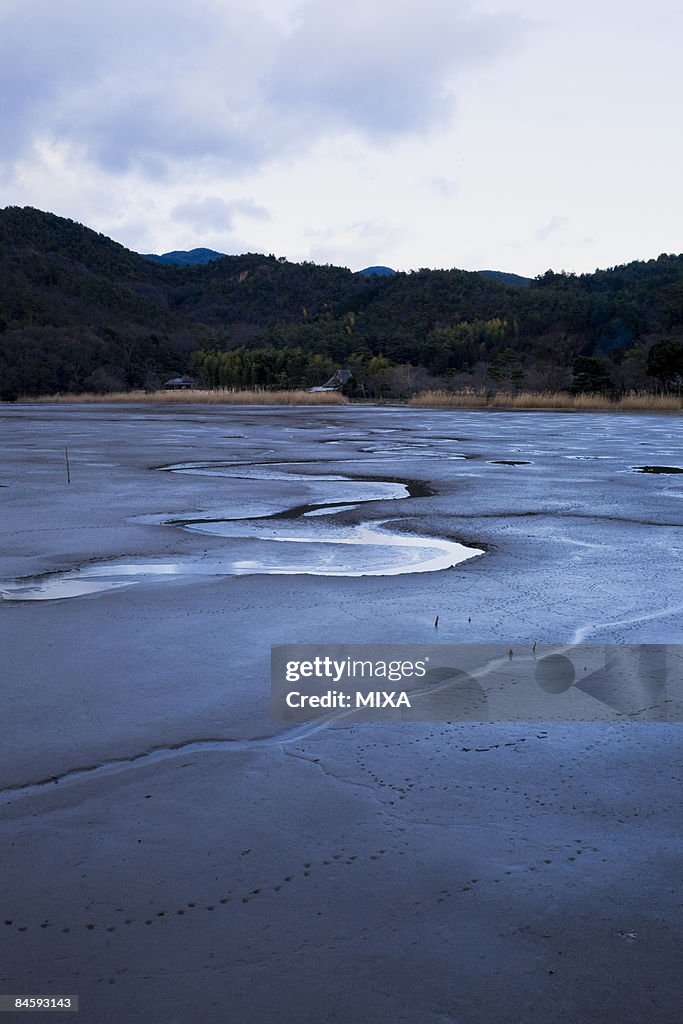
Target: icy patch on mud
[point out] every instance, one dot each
(269, 537)
(357, 551)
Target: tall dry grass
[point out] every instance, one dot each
(664, 403)
(449, 400)
(201, 397)
(539, 400)
(558, 400)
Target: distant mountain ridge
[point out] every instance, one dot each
(185, 257)
(377, 272)
(504, 278)
(200, 256)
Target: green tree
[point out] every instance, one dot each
(507, 371)
(665, 362)
(590, 374)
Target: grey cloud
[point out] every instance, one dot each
(134, 83)
(154, 83)
(385, 67)
(216, 213)
(556, 226)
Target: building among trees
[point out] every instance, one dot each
(337, 381)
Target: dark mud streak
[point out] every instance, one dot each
(550, 514)
(208, 464)
(155, 753)
(415, 489)
(289, 513)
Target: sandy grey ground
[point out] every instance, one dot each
(468, 873)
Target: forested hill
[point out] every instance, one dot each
(79, 311)
(184, 258)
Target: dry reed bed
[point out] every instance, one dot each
(202, 397)
(546, 400)
(558, 400)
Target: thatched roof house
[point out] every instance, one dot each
(338, 379)
(180, 384)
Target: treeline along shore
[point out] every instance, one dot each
(80, 314)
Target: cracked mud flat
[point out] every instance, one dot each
(171, 854)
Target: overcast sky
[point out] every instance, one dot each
(512, 134)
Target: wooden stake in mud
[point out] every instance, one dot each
(68, 468)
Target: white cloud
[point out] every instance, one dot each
(375, 240)
(445, 188)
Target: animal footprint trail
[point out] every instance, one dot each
(166, 915)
